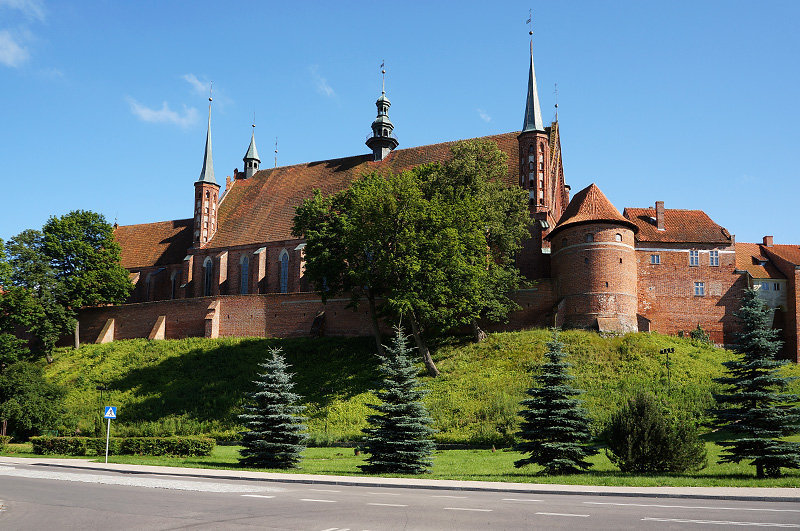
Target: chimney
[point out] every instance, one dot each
(767, 241)
(660, 215)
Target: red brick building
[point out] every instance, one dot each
(234, 267)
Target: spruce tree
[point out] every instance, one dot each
(399, 438)
(275, 430)
(754, 409)
(555, 427)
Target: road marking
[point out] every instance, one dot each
(256, 496)
(564, 514)
(445, 496)
(321, 501)
(385, 493)
(520, 499)
(718, 522)
(697, 507)
(467, 509)
(326, 490)
(389, 504)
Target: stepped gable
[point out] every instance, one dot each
(154, 244)
(590, 205)
(261, 209)
(750, 258)
(681, 226)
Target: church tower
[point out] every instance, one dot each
(382, 141)
(534, 150)
(251, 160)
(206, 195)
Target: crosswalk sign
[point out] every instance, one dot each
(111, 412)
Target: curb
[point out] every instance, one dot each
(403, 483)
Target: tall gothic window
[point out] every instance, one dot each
(208, 277)
(173, 280)
(284, 262)
(244, 276)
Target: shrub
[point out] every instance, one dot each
(700, 335)
(29, 402)
(59, 445)
(4, 440)
(172, 446)
(642, 438)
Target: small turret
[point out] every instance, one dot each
(382, 140)
(251, 160)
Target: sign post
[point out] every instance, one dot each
(110, 412)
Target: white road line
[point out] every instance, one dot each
(326, 490)
(385, 493)
(389, 504)
(321, 501)
(697, 507)
(520, 499)
(718, 522)
(256, 496)
(564, 514)
(445, 496)
(331, 529)
(467, 509)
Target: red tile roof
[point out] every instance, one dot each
(681, 226)
(261, 209)
(154, 244)
(590, 205)
(749, 258)
(790, 253)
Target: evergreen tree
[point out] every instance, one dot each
(754, 409)
(399, 439)
(555, 428)
(275, 436)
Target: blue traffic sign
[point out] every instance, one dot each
(111, 412)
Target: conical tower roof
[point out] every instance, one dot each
(533, 112)
(207, 173)
(252, 152)
(590, 205)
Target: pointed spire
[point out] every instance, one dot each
(533, 112)
(207, 174)
(252, 152)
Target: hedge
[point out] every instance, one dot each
(172, 446)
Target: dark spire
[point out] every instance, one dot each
(382, 140)
(533, 113)
(251, 160)
(207, 174)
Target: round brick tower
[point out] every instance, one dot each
(594, 265)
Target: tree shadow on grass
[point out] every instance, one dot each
(210, 383)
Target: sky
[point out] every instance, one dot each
(103, 104)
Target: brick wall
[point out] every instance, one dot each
(666, 289)
(791, 331)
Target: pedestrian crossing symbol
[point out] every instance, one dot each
(111, 412)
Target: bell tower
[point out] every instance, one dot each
(206, 195)
(382, 141)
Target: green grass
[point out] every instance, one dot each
(196, 386)
(479, 465)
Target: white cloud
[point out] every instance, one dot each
(11, 52)
(164, 115)
(31, 8)
(201, 87)
(485, 117)
(322, 84)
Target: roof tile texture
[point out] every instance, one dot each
(590, 205)
(749, 257)
(154, 244)
(681, 226)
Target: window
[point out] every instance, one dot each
(590, 237)
(563, 242)
(776, 286)
(618, 237)
(148, 285)
(699, 289)
(173, 280)
(284, 277)
(713, 258)
(244, 274)
(764, 286)
(208, 278)
(694, 258)
(655, 259)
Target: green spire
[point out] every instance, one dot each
(207, 174)
(533, 112)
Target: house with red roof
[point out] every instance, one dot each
(234, 268)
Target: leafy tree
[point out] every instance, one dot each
(643, 438)
(433, 244)
(275, 434)
(555, 428)
(399, 438)
(754, 408)
(28, 402)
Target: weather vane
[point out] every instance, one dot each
(529, 23)
(276, 151)
(555, 92)
(383, 76)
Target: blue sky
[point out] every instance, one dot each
(103, 103)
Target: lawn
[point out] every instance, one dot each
(478, 465)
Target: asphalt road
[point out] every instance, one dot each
(50, 497)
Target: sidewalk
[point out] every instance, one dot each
(783, 494)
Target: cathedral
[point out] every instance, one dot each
(234, 268)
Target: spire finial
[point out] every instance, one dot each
(276, 151)
(383, 76)
(555, 92)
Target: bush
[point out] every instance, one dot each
(700, 335)
(4, 440)
(29, 402)
(642, 438)
(172, 446)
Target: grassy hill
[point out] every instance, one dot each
(194, 386)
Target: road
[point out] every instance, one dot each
(55, 497)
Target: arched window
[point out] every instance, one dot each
(618, 237)
(244, 274)
(208, 277)
(148, 286)
(563, 242)
(589, 237)
(173, 280)
(284, 277)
